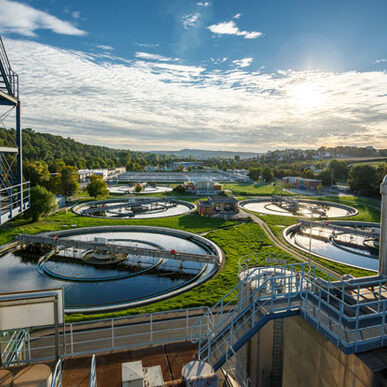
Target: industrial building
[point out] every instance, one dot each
(217, 205)
(301, 183)
(202, 187)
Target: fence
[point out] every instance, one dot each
(98, 336)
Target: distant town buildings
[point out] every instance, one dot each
(185, 165)
(302, 183)
(84, 174)
(217, 205)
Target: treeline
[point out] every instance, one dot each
(362, 179)
(49, 148)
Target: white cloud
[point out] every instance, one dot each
(24, 20)
(156, 57)
(104, 47)
(230, 28)
(159, 105)
(237, 16)
(381, 60)
(244, 62)
(203, 3)
(76, 14)
(190, 21)
(147, 45)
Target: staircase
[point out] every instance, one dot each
(334, 307)
(9, 80)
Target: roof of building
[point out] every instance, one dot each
(223, 199)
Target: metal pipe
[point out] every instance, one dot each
(383, 230)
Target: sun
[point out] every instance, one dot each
(307, 96)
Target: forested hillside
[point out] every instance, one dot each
(47, 147)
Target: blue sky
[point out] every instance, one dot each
(171, 74)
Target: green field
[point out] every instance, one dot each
(235, 242)
(244, 189)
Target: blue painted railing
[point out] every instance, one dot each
(350, 313)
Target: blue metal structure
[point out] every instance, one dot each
(350, 313)
(14, 194)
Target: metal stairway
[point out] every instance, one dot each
(346, 312)
(9, 80)
(14, 194)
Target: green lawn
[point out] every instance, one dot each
(63, 220)
(245, 189)
(236, 242)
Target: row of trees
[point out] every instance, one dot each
(362, 179)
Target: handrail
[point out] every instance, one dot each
(93, 373)
(295, 290)
(14, 345)
(11, 79)
(56, 380)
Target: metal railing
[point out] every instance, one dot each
(351, 314)
(97, 336)
(93, 373)
(11, 79)
(56, 380)
(14, 200)
(16, 346)
(115, 248)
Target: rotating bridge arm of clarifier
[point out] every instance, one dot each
(87, 245)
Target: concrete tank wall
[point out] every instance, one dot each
(309, 359)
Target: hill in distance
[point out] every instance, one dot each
(201, 154)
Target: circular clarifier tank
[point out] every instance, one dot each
(352, 243)
(135, 208)
(98, 281)
(130, 189)
(287, 206)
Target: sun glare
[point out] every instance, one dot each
(307, 96)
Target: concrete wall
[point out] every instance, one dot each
(309, 359)
(257, 355)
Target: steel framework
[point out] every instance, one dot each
(351, 314)
(14, 194)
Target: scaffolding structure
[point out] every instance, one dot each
(14, 193)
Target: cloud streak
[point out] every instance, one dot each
(153, 104)
(230, 28)
(244, 62)
(22, 19)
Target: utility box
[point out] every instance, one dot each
(199, 374)
(132, 374)
(153, 377)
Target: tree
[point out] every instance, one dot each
(37, 172)
(138, 187)
(308, 174)
(326, 177)
(267, 174)
(97, 186)
(339, 169)
(254, 173)
(364, 179)
(69, 181)
(42, 202)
